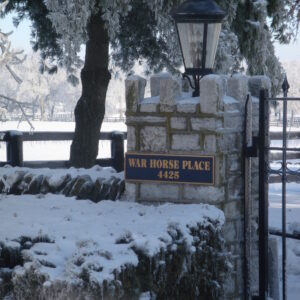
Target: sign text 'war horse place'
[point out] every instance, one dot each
(169, 168)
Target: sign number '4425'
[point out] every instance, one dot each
(172, 175)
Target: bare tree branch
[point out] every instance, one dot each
(20, 105)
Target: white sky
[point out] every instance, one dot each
(288, 52)
(21, 39)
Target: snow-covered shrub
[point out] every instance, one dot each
(177, 272)
(173, 273)
(11, 257)
(120, 251)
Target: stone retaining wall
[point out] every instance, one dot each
(172, 122)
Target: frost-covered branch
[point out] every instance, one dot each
(20, 105)
(294, 13)
(9, 56)
(3, 5)
(70, 19)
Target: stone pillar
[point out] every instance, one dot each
(213, 124)
(135, 91)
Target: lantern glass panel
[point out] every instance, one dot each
(213, 33)
(191, 38)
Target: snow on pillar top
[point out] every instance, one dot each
(237, 87)
(218, 93)
(256, 83)
(170, 92)
(155, 81)
(135, 91)
(211, 94)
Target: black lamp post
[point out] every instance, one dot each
(198, 24)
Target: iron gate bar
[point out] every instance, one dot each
(280, 149)
(285, 88)
(280, 172)
(277, 136)
(283, 99)
(263, 196)
(276, 232)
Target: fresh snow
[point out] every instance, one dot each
(56, 126)
(107, 232)
(293, 205)
(279, 129)
(188, 100)
(293, 223)
(294, 143)
(230, 100)
(151, 100)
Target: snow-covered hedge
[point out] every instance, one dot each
(95, 184)
(53, 247)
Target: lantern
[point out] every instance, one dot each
(198, 24)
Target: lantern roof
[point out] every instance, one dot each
(198, 10)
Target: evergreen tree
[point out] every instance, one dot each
(143, 30)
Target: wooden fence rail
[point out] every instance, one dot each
(292, 135)
(14, 148)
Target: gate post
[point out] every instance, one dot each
(285, 89)
(117, 150)
(14, 148)
(263, 194)
(248, 142)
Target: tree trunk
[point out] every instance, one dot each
(90, 108)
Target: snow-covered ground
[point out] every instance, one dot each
(293, 223)
(279, 129)
(55, 126)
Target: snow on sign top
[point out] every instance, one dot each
(81, 227)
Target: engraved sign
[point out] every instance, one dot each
(169, 168)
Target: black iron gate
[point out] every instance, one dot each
(265, 172)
